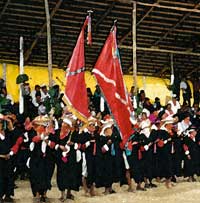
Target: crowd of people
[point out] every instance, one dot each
(164, 144)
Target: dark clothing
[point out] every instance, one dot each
(104, 162)
(191, 165)
(165, 155)
(135, 159)
(90, 155)
(39, 166)
(67, 167)
(6, 167)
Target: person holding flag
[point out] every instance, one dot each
(108, 73)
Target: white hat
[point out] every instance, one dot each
(167, 120)
(107, 118)
(106, 125)
(1, 116)
(146, 111)
(67, 120)
(43, 85)
(92, 119)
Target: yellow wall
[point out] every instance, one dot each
(154, 87)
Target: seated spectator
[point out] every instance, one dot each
(175, 105)
(44, 92)
(5, 94)
(148, 105)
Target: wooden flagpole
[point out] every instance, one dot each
(21, 71)
(50, 73)
(134, 46)
(172, 72)
(4, 71)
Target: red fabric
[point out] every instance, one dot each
(15, 148)
(79, 146)
(185, 147)
(139, 154)
(36, 139)
(94, 149)
(103, 150)
(83, 147)
(160, 143)
(64, 133)
(75, 89)
(130, 146)
(64, 159)
(142, 149)
(19, 140)
(109, 76)
(52, 145)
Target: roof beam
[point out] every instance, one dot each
(192, 10)
(176, 25)
(170, 30)
(193, 71)
(64, 61)
(138, 23)
(43, 28)
(104, 15)
(4, 8)
(95, 28)
(154, 49)
(163, 50)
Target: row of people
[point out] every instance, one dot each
(92, 155)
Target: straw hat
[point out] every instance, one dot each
(41, 120)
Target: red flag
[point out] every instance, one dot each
(109, 76)
(75, 89)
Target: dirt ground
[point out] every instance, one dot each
(183, 191)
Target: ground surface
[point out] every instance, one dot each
(182, 192)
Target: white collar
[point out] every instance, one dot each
(2, 137)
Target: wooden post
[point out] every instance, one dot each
(172, 72)
(50, 73)
(4, 72)
(134, 46)
(21, 71)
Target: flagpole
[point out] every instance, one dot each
(21, 71)
(4, 71)
(116, 125)
(134, 46)
(172, 73)
(49, 43)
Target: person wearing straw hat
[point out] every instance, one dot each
(66, 158)
(38, 162)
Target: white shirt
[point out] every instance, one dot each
(182, 126)
(145, 126)
(175, 107)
